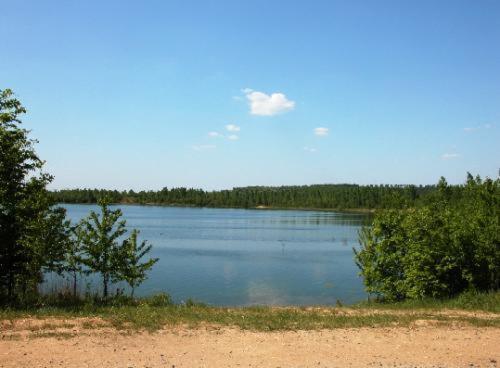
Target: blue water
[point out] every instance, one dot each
(244, 257)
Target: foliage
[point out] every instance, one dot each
(437, 250)
(328, 196)
(102, 251)
(131, 269)
(33, 233)
(101, 248)
(73, 258)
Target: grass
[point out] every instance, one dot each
(157, 312)
(469, 301)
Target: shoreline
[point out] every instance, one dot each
(367, 211)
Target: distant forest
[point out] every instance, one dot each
(324, 196)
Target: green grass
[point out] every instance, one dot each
(469, 301)
(157, 312)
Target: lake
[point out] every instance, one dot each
(239, 257)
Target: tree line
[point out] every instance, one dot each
(324, 196)
(35, 235)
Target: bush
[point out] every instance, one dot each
(159, 300)
(438, 250)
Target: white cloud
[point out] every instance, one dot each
(214, 134)
(233, 137)
(321, 131)
(267, 105)
(232, 128)
(449, 156)
(204, 147)
(310, 149)
(479, 127)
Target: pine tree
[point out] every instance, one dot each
(132, 270)
(102, 251)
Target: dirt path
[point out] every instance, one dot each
(420, 346)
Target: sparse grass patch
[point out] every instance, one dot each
(155, 313)
(60, 335)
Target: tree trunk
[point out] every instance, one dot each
(132, 293)
(10, 292)
(105, 278)
(74, 284)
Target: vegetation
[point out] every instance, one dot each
(437, 250)
(131, 269)
(36, 237)
(156, 312)
(328, 196)
(100, 244)
(33, 233)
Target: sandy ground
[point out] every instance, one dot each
(74, 345)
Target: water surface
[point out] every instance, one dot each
(244, 257)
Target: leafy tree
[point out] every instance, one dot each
(132, 270)
(32, 231)
(102, 251)
(73, 258)
(436, 250)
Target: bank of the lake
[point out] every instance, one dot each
(156, 312)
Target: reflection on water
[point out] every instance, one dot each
(244, 257)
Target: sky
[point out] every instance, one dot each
(217, 94)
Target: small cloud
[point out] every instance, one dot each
(232, 128)
(233, 137)
(449, 156)
(214, 134)
(479, 127)
(321, 131)
(237, 98)
(204, 147)
(310, 149)
(267, 105)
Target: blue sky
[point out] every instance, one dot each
(216, 94)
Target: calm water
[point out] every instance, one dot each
(244, 257)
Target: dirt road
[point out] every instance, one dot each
(417, 346)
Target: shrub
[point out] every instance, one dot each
(159, 300)
(438, 250)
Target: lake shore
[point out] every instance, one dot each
(459, 332)
(270, 208)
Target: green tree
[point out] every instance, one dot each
(101, 248)
(133, 271)
(73, 259)
(440, 249)
(32, 231)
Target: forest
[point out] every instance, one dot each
(321, 196)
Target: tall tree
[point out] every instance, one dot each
(32, 231)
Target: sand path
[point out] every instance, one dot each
(418, 346)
